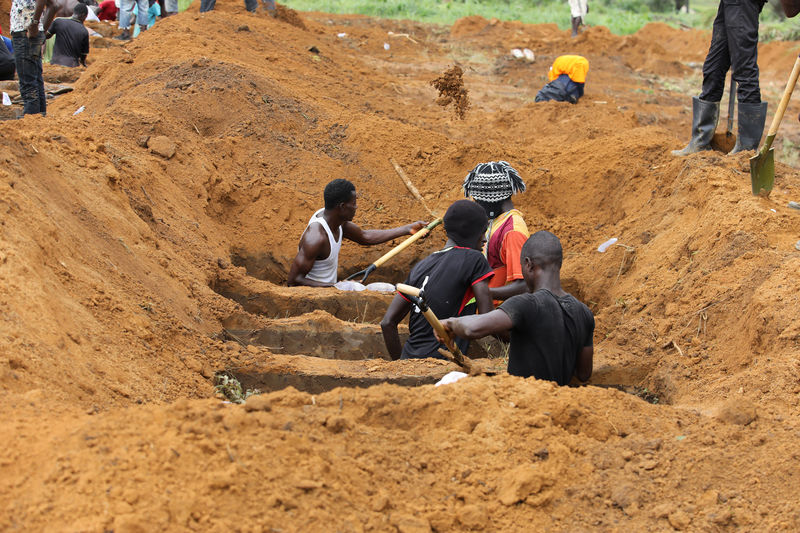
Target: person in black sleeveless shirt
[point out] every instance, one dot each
(450, 278)
(551, 331)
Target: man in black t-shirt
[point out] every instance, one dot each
(450, 278)
(72, 38)
(551, 331)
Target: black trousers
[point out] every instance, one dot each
(734, 43)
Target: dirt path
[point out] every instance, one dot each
(143, 243)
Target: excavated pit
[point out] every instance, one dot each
(269, 267)
(317, 384)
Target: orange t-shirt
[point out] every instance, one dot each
(576, 67)
(504, 242)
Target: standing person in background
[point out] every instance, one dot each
(250, 5)
(27, 35)
(578, 9)
(170, 7)
(72, 38)
(126, 16)
(734, 44)
(491, 185)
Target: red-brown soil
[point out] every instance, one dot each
(131, 236)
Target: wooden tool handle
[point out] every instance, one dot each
(787, 94)
(413, 190)
(455, 354)
(406, 243)
(408, 289)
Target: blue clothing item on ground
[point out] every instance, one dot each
(28, 59)
(8, 43)
(126, 13)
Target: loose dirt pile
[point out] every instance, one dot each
(452, 91)
(144, 242)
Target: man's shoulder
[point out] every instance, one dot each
(580, 307)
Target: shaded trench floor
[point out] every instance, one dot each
(320, 339)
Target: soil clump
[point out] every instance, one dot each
(452, 91)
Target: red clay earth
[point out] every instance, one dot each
(132, 236)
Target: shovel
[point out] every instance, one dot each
(725, 142)
(762, 165)
(417, 297)
(394, 251)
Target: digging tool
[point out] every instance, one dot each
(417, 297)
(762, 165)
(725, 142)
(394, 251)
(413, 190)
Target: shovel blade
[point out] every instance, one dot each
(762, 171)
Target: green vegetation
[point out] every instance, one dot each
(620, 16)
(228, 388)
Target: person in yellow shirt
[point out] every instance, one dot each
(491, 186)
(567, 78)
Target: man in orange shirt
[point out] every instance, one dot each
(491, 185)
(567, 78)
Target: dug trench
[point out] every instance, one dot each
(343, 325)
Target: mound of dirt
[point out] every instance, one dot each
(144, 245)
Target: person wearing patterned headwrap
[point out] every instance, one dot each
(492, 185)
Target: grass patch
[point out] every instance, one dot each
(622, 17)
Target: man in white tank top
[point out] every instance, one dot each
(317, 260)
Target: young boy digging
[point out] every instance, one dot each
(450, 278)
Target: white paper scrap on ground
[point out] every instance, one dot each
(516, 52)
(349, 286)
(341, 35)
(80, 110)
(528, 53)
(380, 286)
(6, 99)
(451, 377)
(606, 245)
(386, 46)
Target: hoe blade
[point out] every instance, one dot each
(762, 171)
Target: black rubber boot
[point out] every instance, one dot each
(704, 122)
(751, 126)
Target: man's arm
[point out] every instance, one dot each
(48, 16)
(583, 367)
(478, 326)
(311, 245)
(376, 236)
(397, 311)
(84, 49)
(483, 298)
(507, 291)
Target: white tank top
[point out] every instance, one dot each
(325, 270)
